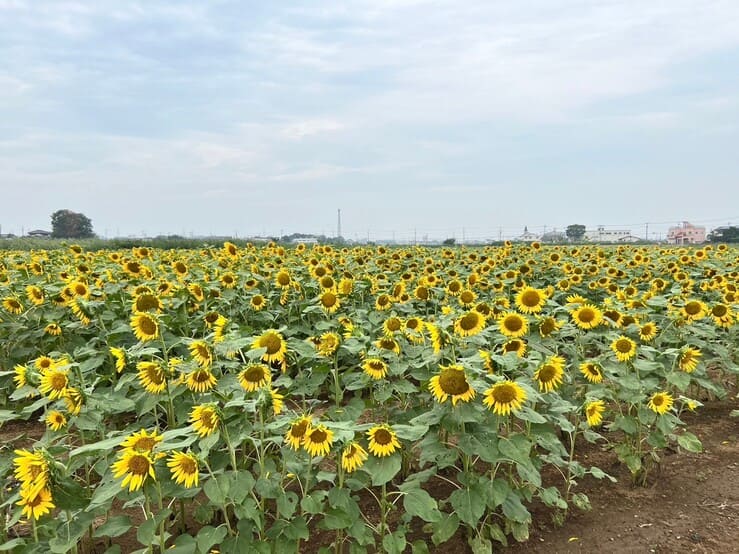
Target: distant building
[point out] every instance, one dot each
(686, 233)
(304, 240)
(527, 236)
(601, 234)
(630, 238)
(39, 233)
(554, 236)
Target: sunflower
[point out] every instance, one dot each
(592, 372)
(20, 378)
(504, 397)
(228, 280)
(389, 344)
(184, 469)
(694, 310)
(383, 302)
(549, 375)
(317, 440)
(329, 302)
(688, 359)
(594, 412)
(422, 293)
(375, 368)
(514, 345)
(274, 344)
(44, 363)
(722, 315)
(55, 420)
(35, 503)
(298, 429)
(435, 336)
(54, 383)
(467, 298)
(487, 360)
(180, 269)
(469, 324)
(530, 300)
(12, 305)
(151, 377)
(548, 325)
(353, 457)
(134, 467)
(196, 291)
(624, 348)
(53, 329)
(201, 353)
(31, 469)
(204, 419)
(74, 400)
(257, 302)
(328, 344)
(451, 381)
(660, 402)
(278, 401)
(147, 302)
(145, 327)
(120, 358)
(392, 325)
(142, 441)
(513, 325)
(201, 380)
(648, 331)
(230, 249)
(382, 440)
(35, 295)
(587, 316)
(255, 377)
(282, 279)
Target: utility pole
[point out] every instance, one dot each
(415, 237)
(646, 231)
(338, 225)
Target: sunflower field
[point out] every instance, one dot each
(363, 399)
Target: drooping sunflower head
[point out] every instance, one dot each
(353, 457)
(689, 358)
(548, 325)
(515, 345)
(152, 377)
(452, 382)
(184, 469)
(594, 412)
(134, 467)
(297, 431)
(592, 372)
(201, 380)
(142, 441)
(255, 377)
(275, 346)
(375, 368)
(201, 353)
(147, 303)
(389, 344)
(382, 440)
(550, 374)
(204, 419)
(12, 305)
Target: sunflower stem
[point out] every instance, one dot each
(338, 393)
(231, 450)
(35, 529)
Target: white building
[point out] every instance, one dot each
(527, 236)
(601, 234)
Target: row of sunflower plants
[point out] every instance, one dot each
(262, 399)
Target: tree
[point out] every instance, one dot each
(575, 231)
(66, 224)
(449, 242)
(724, 234)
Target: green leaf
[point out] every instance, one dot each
(469, 505)
(513, 509)
(103, 495)
(286, 504)
(680, 379)
(210, 536)
(107, 444)
(690, 442)
(313, 503)
(527, 414)
(215, 491)
(146, 532)
(411, 432)
(480, 545)
(69, 495)
(114, 527)
(382, 470)
(419, 503)
(394, 543)
(444, 530)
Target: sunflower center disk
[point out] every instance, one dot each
(139, 465)
(453, 382)
(504, 394)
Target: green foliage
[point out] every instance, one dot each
(66, 224)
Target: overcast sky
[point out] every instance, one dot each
(225, 117)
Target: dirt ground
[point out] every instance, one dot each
(691, 505)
